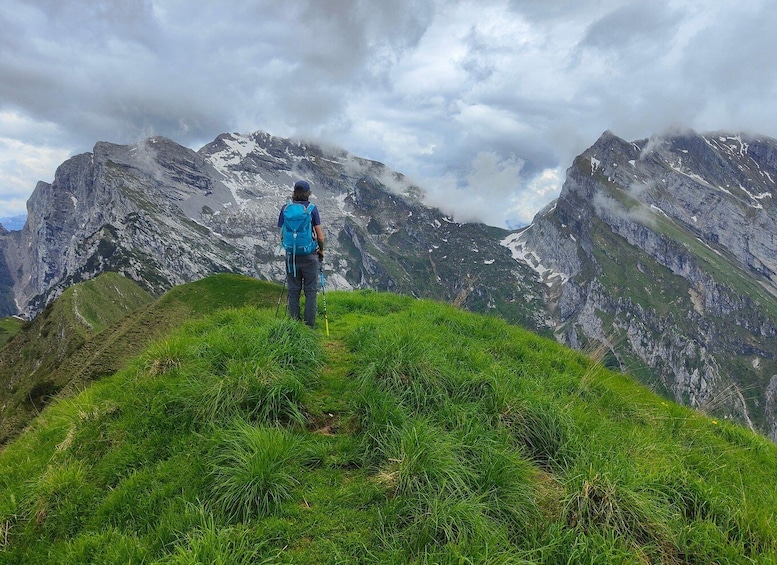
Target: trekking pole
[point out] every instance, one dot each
(323, 292)
(283, 288)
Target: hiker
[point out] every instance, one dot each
(303, 239)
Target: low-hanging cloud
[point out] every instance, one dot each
(477, 101)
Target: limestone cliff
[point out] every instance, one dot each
(664, 251)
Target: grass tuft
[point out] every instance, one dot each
(542, 431)
(211, 543)
(597, 503)
(253, 470)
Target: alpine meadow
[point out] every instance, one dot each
(415, 432)
(401, 282)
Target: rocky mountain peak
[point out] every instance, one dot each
(669, 261)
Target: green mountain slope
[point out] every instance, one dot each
(94, 328)
(414, 433)
(9, 327)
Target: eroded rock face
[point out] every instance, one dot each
(674, 266)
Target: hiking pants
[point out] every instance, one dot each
(307, 278)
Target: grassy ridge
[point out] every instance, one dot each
(94, 328)
(414, 433)
(30, 362)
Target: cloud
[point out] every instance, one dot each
(491, 192)
(20, 161)
(635, 29)
(471, 98)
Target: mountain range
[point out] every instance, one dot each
(659, 253)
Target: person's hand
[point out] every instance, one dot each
(320, 255)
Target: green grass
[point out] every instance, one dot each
(635, 276)
(95, 327)
(48, 352)
(414, 433)
(720, 265)
(9, 327)
(100, 302)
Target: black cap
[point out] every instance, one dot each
(302, 186)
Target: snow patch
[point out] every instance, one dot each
(340, 201)
(522, 254)
(238, 147)
(756, 197)
(654, 207)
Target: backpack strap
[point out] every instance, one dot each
(280, 228)
(311, 206)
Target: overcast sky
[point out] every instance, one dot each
(484, 103)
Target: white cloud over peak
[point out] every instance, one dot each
(477, 99)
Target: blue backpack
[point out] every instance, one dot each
(297, 230)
